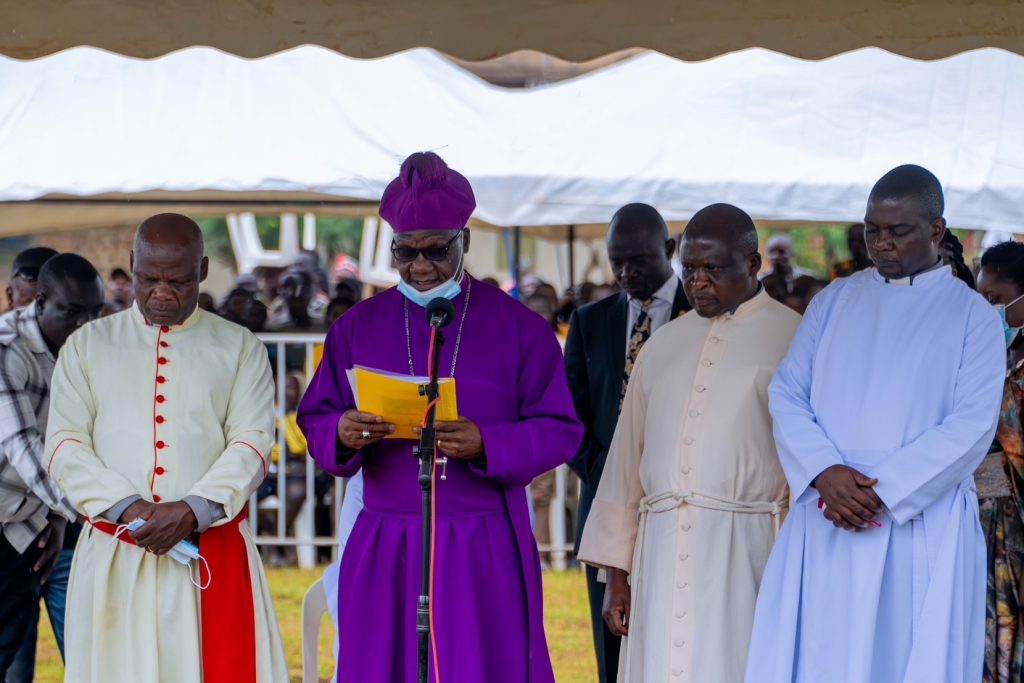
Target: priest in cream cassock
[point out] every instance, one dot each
(693, 494)
(164, 413)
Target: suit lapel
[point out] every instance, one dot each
(680, 305)
(617, 321)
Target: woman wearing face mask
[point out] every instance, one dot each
(1000, 478)
(516, 422)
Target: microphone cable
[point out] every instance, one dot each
(433, 515)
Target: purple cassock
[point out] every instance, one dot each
(488, 605)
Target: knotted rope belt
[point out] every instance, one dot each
(669, 501)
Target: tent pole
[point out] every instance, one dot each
(572, 257)
(517, 245)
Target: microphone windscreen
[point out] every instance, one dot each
(440, 312)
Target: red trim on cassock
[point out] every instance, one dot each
(227, 611)
(256, 451)
(156, 392)
(53, 455)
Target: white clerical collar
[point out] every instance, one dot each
(909, 281)
(667, 292)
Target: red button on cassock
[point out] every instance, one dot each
(161, 444)
(165, 329)
(164, 344)
(159, 470)
(161, 379)
(156, 498)
(159, 419)
(161, 360)
(160, 398)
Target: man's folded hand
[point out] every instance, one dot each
(166, 525)
(850, 499)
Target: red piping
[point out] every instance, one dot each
(54, 454)
(256, 451)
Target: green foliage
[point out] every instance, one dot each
(815, 247)
(217, 240)
(337, 235)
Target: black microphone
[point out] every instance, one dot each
(440, 312)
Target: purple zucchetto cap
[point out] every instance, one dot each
(427, 195)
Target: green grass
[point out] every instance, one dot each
(565, 615)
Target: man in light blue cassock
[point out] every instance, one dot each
(883, 409)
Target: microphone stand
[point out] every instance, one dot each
(426, 452)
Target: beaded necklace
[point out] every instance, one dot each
(458, 337)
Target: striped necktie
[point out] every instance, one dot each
(638, 336)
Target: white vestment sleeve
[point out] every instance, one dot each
(248, 433)
(611, 529)
(91, 487)
(804, 449)
(916, 475)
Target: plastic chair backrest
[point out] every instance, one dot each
(314, 605)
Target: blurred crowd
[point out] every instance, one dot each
(299, 298)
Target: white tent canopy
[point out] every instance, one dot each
(783, 138)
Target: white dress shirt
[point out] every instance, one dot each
(660, 310)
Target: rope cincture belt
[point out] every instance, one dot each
(669, 501)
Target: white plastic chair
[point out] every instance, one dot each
(314, 605)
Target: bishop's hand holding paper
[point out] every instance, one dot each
(357, 429)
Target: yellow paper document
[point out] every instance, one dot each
(398, 400)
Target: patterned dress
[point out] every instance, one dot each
(1002, 520)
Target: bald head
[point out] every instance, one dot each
(639, 250)
(170, 229)
(168, 265)
(720, 260)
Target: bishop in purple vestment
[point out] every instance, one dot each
(517, 421)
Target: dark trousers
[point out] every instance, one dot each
(18, 591)
(55, 593)
(606, 643)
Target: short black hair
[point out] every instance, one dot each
(915, 182)
(638, 215)
(66, 268)
(340, 302)
(728, 221)
(1006, 260)
(29, 261)
(121, 273)
(303, 275)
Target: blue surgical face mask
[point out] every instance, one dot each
(1009, 332)
(449, 289)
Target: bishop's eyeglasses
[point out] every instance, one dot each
(436, 253)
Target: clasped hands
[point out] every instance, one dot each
(459, 439)
(849, 496)
(166, 524)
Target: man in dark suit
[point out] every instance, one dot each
(604, 339)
